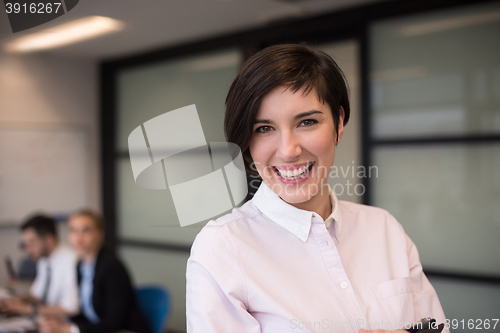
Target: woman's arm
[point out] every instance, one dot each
(425, 297)
(216, 296)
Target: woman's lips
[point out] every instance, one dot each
(294, 174)
(295, 166)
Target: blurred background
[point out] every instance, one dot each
(423, 140)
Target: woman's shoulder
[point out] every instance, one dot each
(362, 208)
(235, 224)
(238, 216)
(109, 263)
(368, 214)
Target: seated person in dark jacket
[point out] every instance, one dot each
(108, 302)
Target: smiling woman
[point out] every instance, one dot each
(295, 254)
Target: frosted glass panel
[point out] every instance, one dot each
(465, 300)
(148, 214)
(162, 268)
(437, 74)
(149, 91)
(146, 92)
(447, 198)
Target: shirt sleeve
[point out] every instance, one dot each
(425, 297)
(69, 300)
(216, 296)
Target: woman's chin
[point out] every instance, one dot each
(81, 251)
(295, 194)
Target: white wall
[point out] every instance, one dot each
(48, 90)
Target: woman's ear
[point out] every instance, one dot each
(341, 125)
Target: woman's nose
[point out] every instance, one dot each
(289, 148)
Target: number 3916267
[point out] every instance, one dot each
(33, 8)
(477, 324)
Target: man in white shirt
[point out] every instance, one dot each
(55, 290)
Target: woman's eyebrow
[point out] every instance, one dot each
(305, 114)
(263, 121)
(298, 116)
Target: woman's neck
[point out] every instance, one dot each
(89, 257)
(320, 203)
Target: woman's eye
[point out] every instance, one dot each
(264, 129)
(308, 122)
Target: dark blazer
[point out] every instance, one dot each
(113, 299)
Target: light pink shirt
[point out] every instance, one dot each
(270, 267)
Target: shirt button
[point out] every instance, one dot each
(343, 285)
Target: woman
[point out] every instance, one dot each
(295, 258)
(107, 299)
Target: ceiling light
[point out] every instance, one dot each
(64, 34)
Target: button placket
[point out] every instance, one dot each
(337, 272)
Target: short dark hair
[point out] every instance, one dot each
(42, 224)
(94, 216)
(294, 65)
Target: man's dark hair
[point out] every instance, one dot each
(297, 66)
(42, 224)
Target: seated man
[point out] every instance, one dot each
(26, 269)
(54, 290)
(108, 300)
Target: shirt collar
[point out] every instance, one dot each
(335, 215)
(54, 254)
(297, 221)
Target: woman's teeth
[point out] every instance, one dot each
(294, 174)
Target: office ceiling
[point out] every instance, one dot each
(152, 24)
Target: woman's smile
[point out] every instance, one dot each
(294, 174)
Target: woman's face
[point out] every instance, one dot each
(293, 143)
(84, 235)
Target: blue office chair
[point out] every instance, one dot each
(155, 304)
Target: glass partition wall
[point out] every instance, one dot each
(147, 92)
(148, 216)
(435, 125)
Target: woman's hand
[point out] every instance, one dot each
(53, 325)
